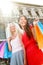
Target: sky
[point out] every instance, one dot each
(36, 2)
(6, 5)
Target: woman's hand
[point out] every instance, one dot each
(9, 45)
(36, 20)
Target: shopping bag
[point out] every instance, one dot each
(2, 45)
(40, 25)
(7, 53)
(39, 36)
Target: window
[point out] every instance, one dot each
(2, 31)
(30, 13)
(37, 13)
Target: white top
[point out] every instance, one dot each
(16, 44)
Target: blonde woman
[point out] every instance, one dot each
(15, 45)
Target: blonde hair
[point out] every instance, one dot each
(8, 28)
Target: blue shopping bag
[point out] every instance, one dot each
(40, 25)
(7, 53)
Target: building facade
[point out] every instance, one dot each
(29, 10)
